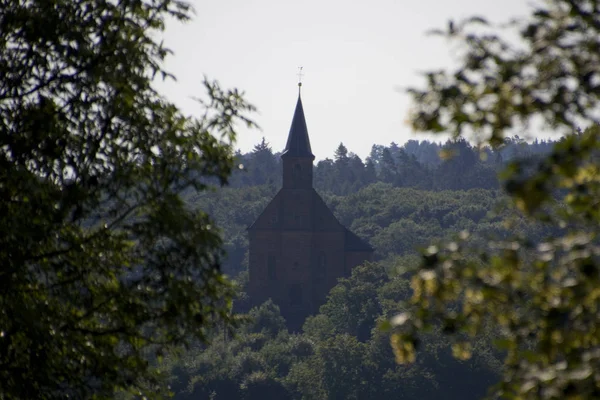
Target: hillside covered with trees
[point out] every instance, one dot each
(343, 352)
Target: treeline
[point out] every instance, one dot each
(455, 165)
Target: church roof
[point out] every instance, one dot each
(354, 243)
(298, 144)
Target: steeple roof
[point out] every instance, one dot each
(298, 144)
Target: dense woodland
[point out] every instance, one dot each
(399, 199)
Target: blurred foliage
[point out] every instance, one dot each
(102, 264)
(540, 297)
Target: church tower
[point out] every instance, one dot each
(298, 249)
(297, 156)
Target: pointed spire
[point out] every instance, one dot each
(298, 144)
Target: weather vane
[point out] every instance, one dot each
(300, 75)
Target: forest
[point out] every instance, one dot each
(400, 199)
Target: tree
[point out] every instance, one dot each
(263, 165)
(370, 175)
(266, 318)
(352, 305)
(388, 167)
(102, 264)
(342, 367)
(341, 154)
(540, 298)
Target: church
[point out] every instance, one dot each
(298, 249)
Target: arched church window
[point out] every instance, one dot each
(272, 266)
(295, 295)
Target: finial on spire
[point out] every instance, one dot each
(300, 75)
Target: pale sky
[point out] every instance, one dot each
(356, 56)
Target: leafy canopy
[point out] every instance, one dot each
(101, 264)
(541, 298)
